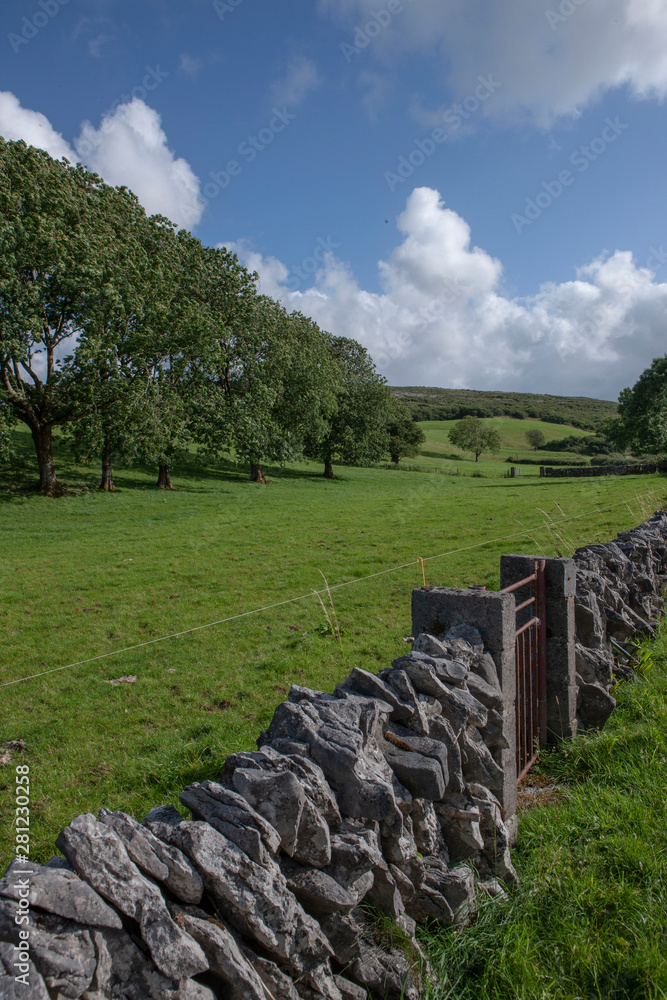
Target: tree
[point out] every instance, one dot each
(67, 256)
(535, 439)
(356, 431)
(405, 436)
(472, 434)
(642, 413)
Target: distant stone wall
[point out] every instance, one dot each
(642, 468)
(383, 794)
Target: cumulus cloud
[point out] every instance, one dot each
(17, 122)
(293, 88)
(129, 148)
(442, 318)
(552, 59)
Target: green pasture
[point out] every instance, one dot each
(91, 574)
(439, 454)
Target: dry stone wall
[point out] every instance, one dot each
(378, 797)
(619, 594)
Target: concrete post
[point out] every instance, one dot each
(437, 609)
(560, 586)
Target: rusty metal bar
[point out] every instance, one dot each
(525, 604)
(522, 628)
(521, 583)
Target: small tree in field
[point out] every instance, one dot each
(405, 436)
(535, 439)
(472, 434)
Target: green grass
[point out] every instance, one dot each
(439, 453)
(90, 574)
(589, 919)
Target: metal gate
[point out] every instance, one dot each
(531, 668)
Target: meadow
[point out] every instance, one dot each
(91, 574)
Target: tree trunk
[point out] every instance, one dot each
(395, 459)
(256, 474)
(43, 438)
(328, 469)
(107, 475)
(477, 456)
(163, 479)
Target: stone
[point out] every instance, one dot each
(124, 971)
(460, 827)
(339, 736)
(461, 709)
(484, 666)
(98, 855)
(594, 706)
(421, 671)
(451, 672)
(181, 878)
(61, 950)
(350, 990)
(364, 683)
(422, 776)
(61, 892)
(468, 633)
(478, 764)
(225, 959)
(385, 894)
(344, 933)
(594, 665)
(493, 732)
(383, 973)
(280, 797)
(441, 731)
(232, 816)
(484, 692)
(10, 988)
(318, 892)
(428, 644)
(255, 900)
(399, 681)
(278, 985)
(495, 834)
(426, 828)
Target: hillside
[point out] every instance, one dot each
(452, 404)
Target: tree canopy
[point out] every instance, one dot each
(641, 426)
(405, 436)
(472, 434)
(535, 438)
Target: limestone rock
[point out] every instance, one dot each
(317, 891)
(253, 899)
(277, 984)
(232, 816)
(10, 989)
(60, 892)
(223, 954)
(97, 854)
(399, 681)
(350, 990)
(441, 731)
(383, 973)
(162, 862)
(484, 692)
(594, 705)
(364, 683)
(427, 830)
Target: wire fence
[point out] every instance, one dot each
(550, 524)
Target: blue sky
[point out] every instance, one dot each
(474, 189)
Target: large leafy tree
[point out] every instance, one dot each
(68, 263)
(405, 436)
(472, 434)
(355, 432)
(642, 413)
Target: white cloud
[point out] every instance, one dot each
(33, 127)
(293, 88)
(442, 317)
(129, 148)
(548, 62)
(189, 65)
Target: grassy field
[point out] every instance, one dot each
(91, 574)
(438, 453)
(589, 920)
